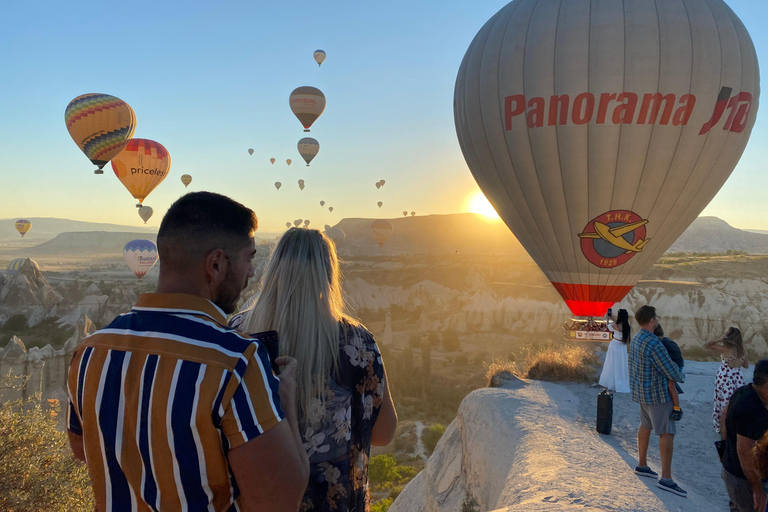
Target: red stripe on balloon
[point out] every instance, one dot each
(590, 300)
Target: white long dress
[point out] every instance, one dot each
(615, 375)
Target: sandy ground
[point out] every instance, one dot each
(695, 466)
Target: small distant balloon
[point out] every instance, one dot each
(378, 184)
(288, 225)
(186, 179)
(405, 214)
(319, 56)
(306, 223)
(272, 161)
(297, 222)
(335, 234)
(145, 212)
(307, 104)
(322, 203)
(22, 226)
(289, 161)
(278, 185)
(140, 256)
(380, 204)
(413, 214)
(101, 125)
(382, 182)
(330, 209)
(308, 149)
(381, 231)
(301, 184)
(250, 151)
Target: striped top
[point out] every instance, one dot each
(160, 396)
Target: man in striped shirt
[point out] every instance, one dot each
(172, 410)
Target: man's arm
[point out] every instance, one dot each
(744, 448)
(386, 423)
(270, 472)
(665, 364)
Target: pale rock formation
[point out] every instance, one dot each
(28, 288)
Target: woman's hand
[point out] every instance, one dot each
(287, 376)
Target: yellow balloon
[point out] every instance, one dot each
(22, 226)
(186, 179)
(141, 166)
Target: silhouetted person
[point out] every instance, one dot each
(170, 408)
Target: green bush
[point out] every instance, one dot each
(383, 469)
(37, 470)
(16, 324)
(431, 436)
(382, 505)
(469, 504)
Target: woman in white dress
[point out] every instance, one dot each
(615, 375)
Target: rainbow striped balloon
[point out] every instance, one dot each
(101, 125)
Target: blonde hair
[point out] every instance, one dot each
(301, 299)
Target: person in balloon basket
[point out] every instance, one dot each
(650, 367)
(170, 409)
(746, 422)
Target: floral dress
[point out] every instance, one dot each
(338, 439)
(728, 380)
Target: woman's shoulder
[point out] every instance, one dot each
(355, 333)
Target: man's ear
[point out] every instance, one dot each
(216, 266)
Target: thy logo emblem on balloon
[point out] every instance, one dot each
(594, 128)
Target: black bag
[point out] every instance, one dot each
(720, 447)
(604, 412)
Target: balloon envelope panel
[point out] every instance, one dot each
(600, 130)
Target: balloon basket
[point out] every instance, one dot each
(587, 329)
(98, 171)
(138, 205)
(306, 129)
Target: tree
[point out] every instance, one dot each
(383, 469)
(431, 436)
(16, 324)
(451, 341)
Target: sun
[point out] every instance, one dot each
(478, 203)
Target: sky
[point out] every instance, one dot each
(211, 79)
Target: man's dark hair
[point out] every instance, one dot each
(200, 222)
(658, 331)
(645, 314)
(760, 377)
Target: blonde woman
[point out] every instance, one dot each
(343, 395)
(733, 358)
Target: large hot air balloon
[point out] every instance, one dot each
(381, 231)
(330, 209)
(335, 234)
(307, 103)
(140, 255)
(301, 184)
(319, 56)
(101, 125)
(308, 149)
(250, 151)
(272, 161)
(278, 185)
(600, 130)
(322, 203)
(141, 166)
(380, 204)
(22, 226)
(186, 179)
(145, 212)
(289, 161)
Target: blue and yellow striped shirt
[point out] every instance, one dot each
(160, 396)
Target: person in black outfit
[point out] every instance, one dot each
(746, 421)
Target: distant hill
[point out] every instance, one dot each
(90, 242)
(761, 231)
(46, 228)
(467, 233)
(710, 234)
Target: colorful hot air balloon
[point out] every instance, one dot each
(288, 224)
(405, 214)
(101, 125)
(381, 231)
(145, 212)
(301, 184)
(322, 203)
(307, 104)
(141, 166)
(186, 179)
(140, 256)
(22, 226)
(319, 56)
(308, 149)
(600, 130)
(14, 266)
(297, 222)
(289, 161)
(378, 184)
(250, 151)
(413, 214)
(272, 161)
(278, 185)
(306, 223)
(330, 209)
(380, 204)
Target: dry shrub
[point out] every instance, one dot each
(499, 370)
(571, 363)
